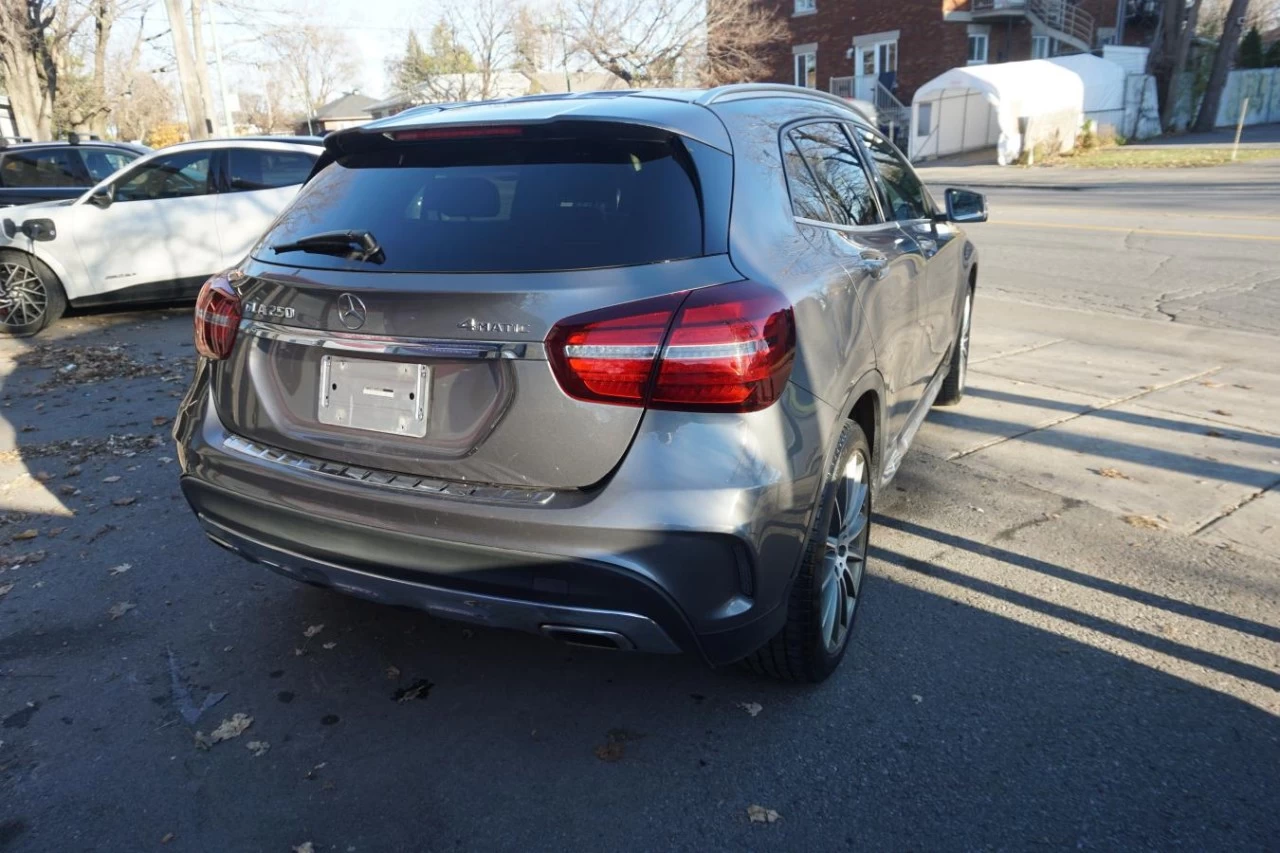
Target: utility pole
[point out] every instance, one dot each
(229, 126)
(191, 99)
(202, 61)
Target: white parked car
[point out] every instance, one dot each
(151, 232)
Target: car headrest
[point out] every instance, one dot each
(466, 196)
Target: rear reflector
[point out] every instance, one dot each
(474, 132)
(727, 348)
(217, 318)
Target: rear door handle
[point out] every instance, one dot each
(876, 263)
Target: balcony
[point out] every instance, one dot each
(1060, 19)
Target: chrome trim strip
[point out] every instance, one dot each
(387, 479)
(383, 345)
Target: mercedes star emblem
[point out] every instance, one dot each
(351, 311)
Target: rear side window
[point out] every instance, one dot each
(533, 204)
(51, 168)
(249, 169)
(103, 163)
(838, 169)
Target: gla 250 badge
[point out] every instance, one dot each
(259, 309)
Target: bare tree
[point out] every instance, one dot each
(484, 28)
(318, 61)
(1221, 65)
(34, 41)
(671, 42)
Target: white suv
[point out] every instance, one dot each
(152, 232)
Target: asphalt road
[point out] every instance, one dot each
(1194, 245)
(1027, 671)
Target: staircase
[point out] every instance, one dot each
(893, 116)
(1058, 19)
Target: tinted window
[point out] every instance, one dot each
(906, 193)
(503, 206)
(102, 163)
(178, 175)
(837, 166)
(54, 167)
(249, 169)
(806, 198)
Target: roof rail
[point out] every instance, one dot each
(764, 89)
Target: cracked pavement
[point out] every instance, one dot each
(1070, 633)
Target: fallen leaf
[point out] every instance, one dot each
(165, 460)
(120, 609)
(1112, 473)
(258, 747)
(114, 478)
(4, 589)
(1209, 383)
(615, 745)
(312, 631)
(55, 532)
(1146, 522)
(1245, 387)
(167, 837)
(305, 847)
(917, 698)
(120, 569)
(73, 471)
(159, 421)
(125, 501)
(43, 476)
(299, 652)
(418, 690)
(393, 672)
(1213, 433)
(759, 814)
(330, 645)
(226, 730)
(29, 533)
(68, 490)
(1221, 412)
(752, 708)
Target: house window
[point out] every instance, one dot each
(806, 7)
(1041, 47)
(807, 69)
(924, 119)
(977, 49)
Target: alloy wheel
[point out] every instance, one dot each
(845, 557)
(23, 299)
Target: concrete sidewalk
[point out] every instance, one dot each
(1253, 136)
(1168, 426)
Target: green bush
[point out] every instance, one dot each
(1250, 54)
(1272, 59)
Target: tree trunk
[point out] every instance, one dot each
(186, 71)
(1221, 65)
(1181, 50)
(32, 107)
(201, 58)
(104, 18)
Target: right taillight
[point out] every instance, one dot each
(727, 348)
(217, 318)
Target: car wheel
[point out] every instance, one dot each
(824, 598)
(953, 386)
(31, 297)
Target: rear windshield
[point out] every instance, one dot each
(501, 206)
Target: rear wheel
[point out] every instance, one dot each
(31, 296)
(952, 390)
(825, 595)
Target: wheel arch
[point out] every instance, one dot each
(865, 406)
(51, 265)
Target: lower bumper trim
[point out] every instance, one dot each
(631, 630)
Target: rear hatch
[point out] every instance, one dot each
(415, 343)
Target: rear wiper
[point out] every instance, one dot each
(352, 245)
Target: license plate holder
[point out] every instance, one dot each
(375, 396)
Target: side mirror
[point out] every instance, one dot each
(966, 206)
(103, 198)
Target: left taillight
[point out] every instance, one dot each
(217, 318)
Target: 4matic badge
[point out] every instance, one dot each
(471, 324)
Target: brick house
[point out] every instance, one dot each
(848, 47)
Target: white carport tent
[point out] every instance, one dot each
(979, 106)
(1104, 83)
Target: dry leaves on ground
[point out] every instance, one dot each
(1112, 473)
(159, 421)
(312, 630)
(330, 645)
(752, 708)
(759, 814)
(418, 690)
(120, 569)
(167, 837)
(126, 445)
(393, 672)
(29, 533)
(615, 745)
(4, 589)
(1145, 522)
(1221, 413)
(1213, 433)
(114, 478)
(258, 747)
(128, 500)
(120, 609)
(78, 365)
(305, 847)
(226, 730)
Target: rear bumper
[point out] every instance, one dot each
(655, 559)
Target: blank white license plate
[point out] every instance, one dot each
(379, 396)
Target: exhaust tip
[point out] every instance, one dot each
(594, 638)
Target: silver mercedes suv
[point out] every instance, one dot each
(626, 369)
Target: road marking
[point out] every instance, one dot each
(1150, 232)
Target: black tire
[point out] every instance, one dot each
(31, 297)
(952, 390)
(804, 649)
